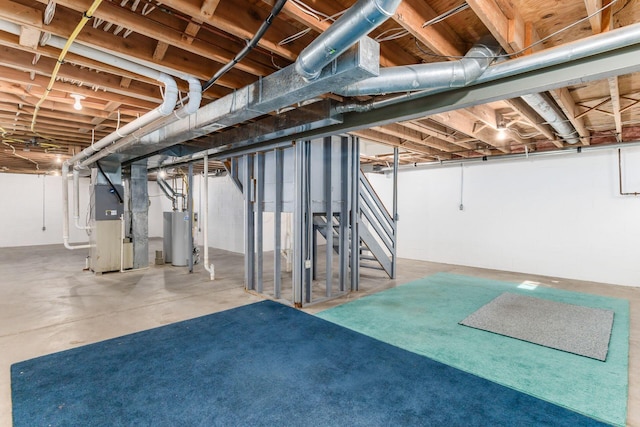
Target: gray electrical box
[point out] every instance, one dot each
(105, 202)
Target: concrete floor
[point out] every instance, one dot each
(48, 304)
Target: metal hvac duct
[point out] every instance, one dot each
(356, 22)
(551, 113)
(436, 75)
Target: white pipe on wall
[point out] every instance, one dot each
(209, 267)
(76, 201)
(65, 210)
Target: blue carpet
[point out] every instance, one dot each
(262, 364)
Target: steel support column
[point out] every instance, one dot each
(277, 212)
(328, 200)
(190, 210)
(355, 213)
(139, 205)
(249, 224)
(259, 209)
(394, 213)
(343, 228)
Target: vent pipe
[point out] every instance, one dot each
(436, 75)
(195, 96)
(356, 22)
(553, 115)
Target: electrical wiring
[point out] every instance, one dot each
(277, 7)
(13, 149)
(86, 16)
(524, 49)
(446, 15)
(393, 34)
(313, 12)
(321, 17)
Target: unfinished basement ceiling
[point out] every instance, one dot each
(197, 37)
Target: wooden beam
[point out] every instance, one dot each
(160, 51)
(29, 37)
(22, 15)
(191, 31)
(155, 30)
(462, 122)
(393, 141)
(495, 20)
(596, 20)
(208, 7)
(240, 22)
(566, 102)
(411, 14)
(410, 133)
(615, 106)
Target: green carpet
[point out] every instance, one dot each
(422, 316)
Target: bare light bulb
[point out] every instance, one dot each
(77, 105)
(502, 133)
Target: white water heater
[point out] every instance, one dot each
(179, 238)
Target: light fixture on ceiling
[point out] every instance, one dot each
(77, 105)
(502, 131)
(162, 174)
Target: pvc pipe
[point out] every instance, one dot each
(65, 211)
(164, 109)
(209, 267)
(76, 201)
(195, 97)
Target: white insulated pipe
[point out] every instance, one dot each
(76, 201)
(195, 97)
(65, 211)
(209, 267)
(164, 109)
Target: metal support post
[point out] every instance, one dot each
(328, 200)
(249, 224)
(277, 212)
(355, 213)
(139, 204)
(259, 209)
(343, 227)
(298, 227)
(394, 215)
(190, 211)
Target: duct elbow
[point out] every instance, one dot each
(170, 94)
(357, 22)
(195, 98)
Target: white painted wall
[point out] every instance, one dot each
(31, 202)
(226, 215)
(559, 216)
(25, 196)
(159, 204)
(226, 218)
